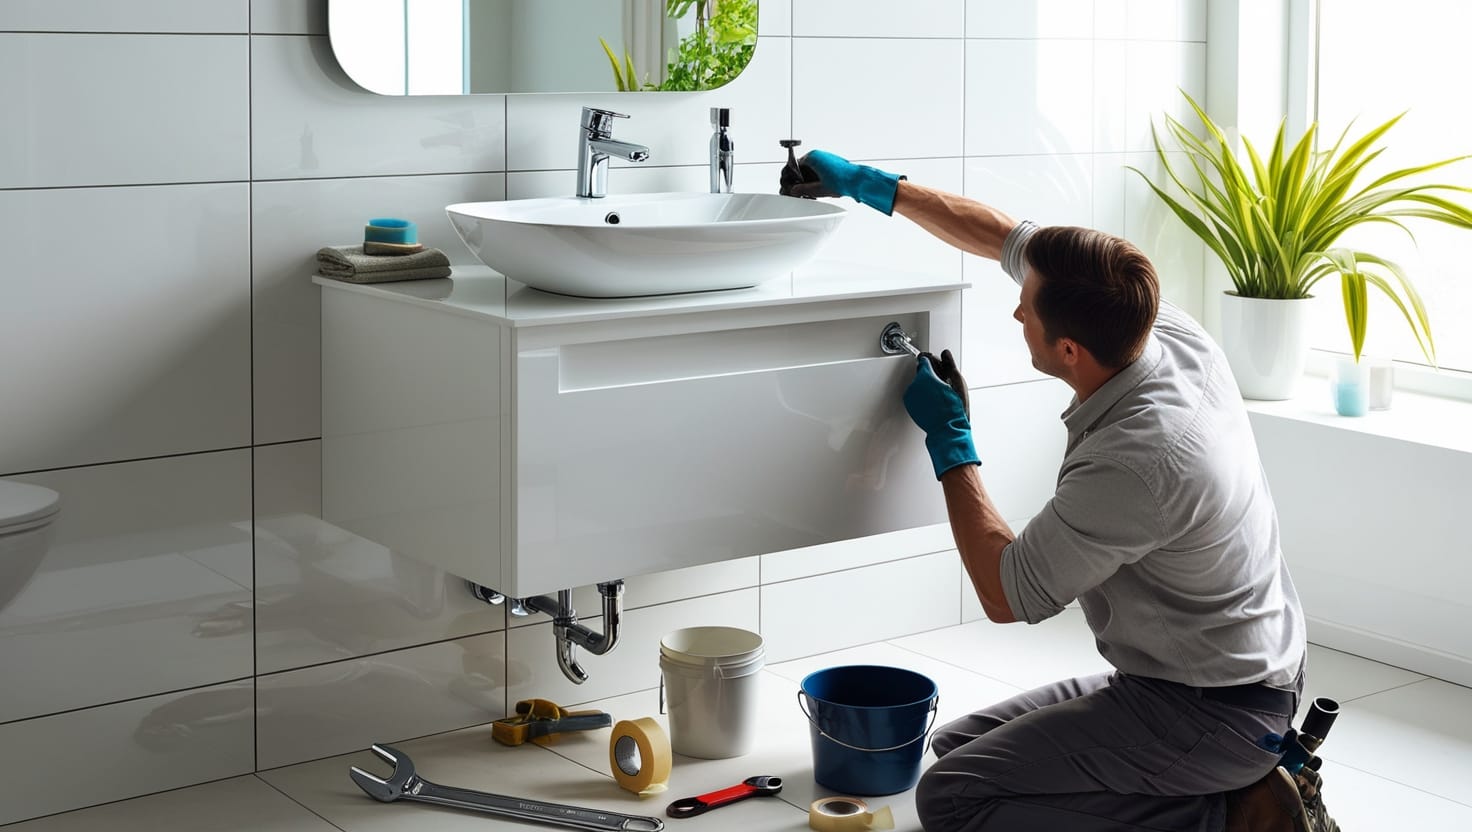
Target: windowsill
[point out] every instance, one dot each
(1423, 419)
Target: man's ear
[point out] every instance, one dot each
(1072, 352)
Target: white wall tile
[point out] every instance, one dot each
(309, 120)
(970, 604)
(531, 661)
(706, 579)
(1177, 253)
(1049, 190)
(877, 18)
(834, 557)
(1111, 19)
(214, 16)
(873, 239)
(325, 594)
(1111, 95)
(1111, 180)
(124, 750)
(1030, 18)
(348, 706)
(542, 132)
(116, 109)
(1041, 109)
(291, 221)
(1155, 74)
(126, 603)
(132, 349)
(857, 606)
(993, 350)
(640, 179)
(774, 17)
(912, 88)
(1411, 498)
(664, 587)
(1020, 442)
(288, 17)
(1181, 20)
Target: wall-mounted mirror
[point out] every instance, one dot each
(455, 47)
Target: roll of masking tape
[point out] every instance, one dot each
(847, 814)
(639, 754)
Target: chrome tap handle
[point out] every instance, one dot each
(722, 151)
(599, 123)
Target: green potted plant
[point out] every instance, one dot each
(1274, 225)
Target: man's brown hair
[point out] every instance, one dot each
(1095, 288)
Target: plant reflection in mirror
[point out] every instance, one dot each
(717, 51)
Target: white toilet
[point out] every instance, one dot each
(26, 514)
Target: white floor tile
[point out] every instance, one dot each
(862, 603)
(1025, 656)
(1344, 677)
(1361, 801)
(1399, 758)
(784, 750)
(1417, 735)
(471, 759)
(240, 804)
(961, 691)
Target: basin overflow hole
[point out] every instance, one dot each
(612, 218)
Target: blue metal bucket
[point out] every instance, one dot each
(869, 725)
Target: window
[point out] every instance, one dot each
(1374, 61)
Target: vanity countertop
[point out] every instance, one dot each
(479, 292)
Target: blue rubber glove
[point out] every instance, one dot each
(941, 412)
(837, 176)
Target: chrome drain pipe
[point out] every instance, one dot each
(569, 634)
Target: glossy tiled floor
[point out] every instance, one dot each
(1400, 756)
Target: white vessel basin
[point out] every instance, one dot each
(645, 244)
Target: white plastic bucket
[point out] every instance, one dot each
(709, 680)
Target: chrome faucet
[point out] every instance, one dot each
(722, 151)
(595, 145)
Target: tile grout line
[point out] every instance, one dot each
(1401, 686)
(293, 799)
(951, 663)
(250, 255)
(1368, 773)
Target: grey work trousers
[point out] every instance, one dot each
(1105, 752)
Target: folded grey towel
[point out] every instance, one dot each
(349, 263)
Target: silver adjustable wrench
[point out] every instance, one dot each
(405, 784)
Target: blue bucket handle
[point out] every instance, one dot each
(934, 711)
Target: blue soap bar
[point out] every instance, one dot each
(389, 230)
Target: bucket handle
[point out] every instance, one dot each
(934, 711)
(719, 671)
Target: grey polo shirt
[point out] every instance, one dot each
(1162, 525)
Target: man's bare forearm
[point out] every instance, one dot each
(964, 223)
(981, 534)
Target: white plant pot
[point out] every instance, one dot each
(1266, 342)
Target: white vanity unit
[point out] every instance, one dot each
(531, 442)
